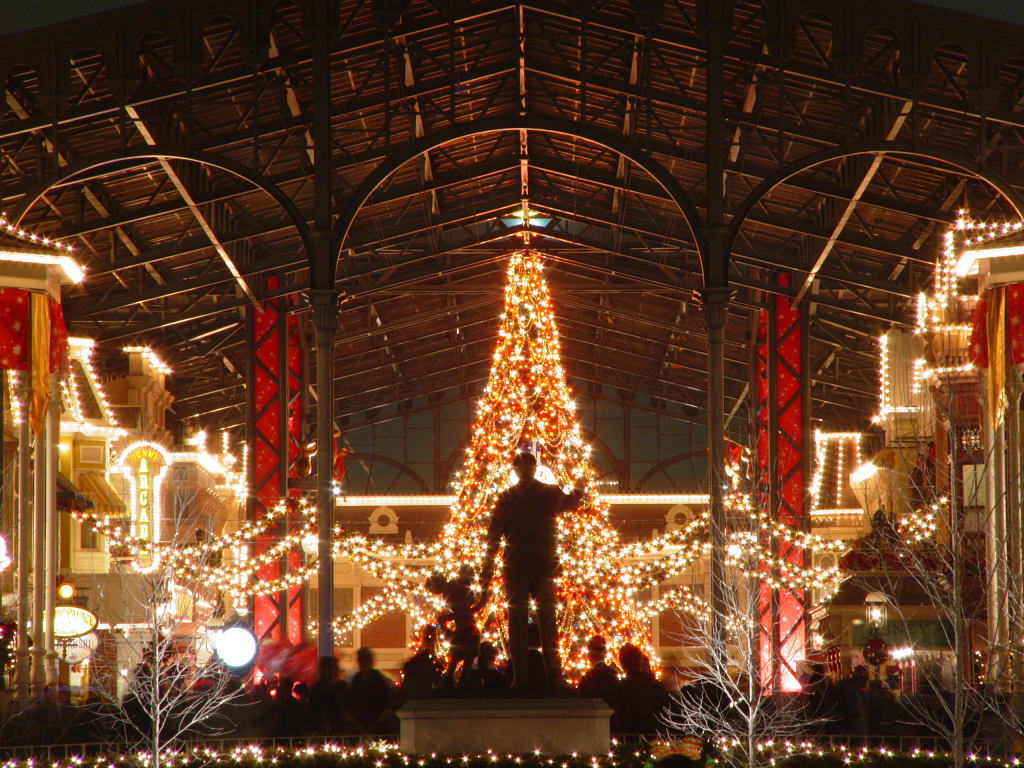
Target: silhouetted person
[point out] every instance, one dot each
(326, 698)
(600, 681)
(457, 621)
(368, 705)
(817, 694)
(643, 696)
(288, 716)
(526, 516)
(851, 693)
(485, 674)
(420, 671)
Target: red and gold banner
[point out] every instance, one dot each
(39, 360)
(997, 339)
(33, 338)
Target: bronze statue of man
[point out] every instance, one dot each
(526, 516)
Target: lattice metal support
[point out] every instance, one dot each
(783, 452)
(275, 412)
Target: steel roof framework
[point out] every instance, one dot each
(175, 147)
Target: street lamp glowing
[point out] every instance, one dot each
(236, 646)
(876, 609)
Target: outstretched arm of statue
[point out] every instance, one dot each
(572, 499)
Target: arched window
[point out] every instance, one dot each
(881, 55)
(222, 45)
(812, 42)
(1011, 84)
(156, 58)
(947, 72)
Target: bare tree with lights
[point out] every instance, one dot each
(936, 567)
(727, 701)
(170, 683)
(945, 548)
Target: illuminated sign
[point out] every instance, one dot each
(75, 650)
(144, 465)
(72, 621)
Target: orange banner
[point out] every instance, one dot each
(40, 360)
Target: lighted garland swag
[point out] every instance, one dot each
(383, 755)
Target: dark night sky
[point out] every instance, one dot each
(19, 15)
(1003, 10)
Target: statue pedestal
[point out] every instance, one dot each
(460, 726)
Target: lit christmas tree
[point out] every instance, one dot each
(528, 404)
(604, 583)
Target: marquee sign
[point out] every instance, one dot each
(144, 464)
(75, 650)
(72, 621)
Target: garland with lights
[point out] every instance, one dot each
(382, 754)
(921, 524)
(196, 561)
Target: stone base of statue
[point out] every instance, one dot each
(458, 726)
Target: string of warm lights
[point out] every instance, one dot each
(383, 754)
(921, 524)
(797, 538)
(197, 560)
(153, 360)
(680, 597)
(61, 256)
(256, 587)
(943, 310)
(886, 398)
(70, 397)
(13, 392)
(920, 372)
(422, 606)
(822, 442)
(80, 349)
(745, 553)
(117, 535)
(47, 242)
(5, 558)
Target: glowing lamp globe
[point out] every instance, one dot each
(876, 609)
(310, 544)
(236, 646)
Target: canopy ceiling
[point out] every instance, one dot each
(102, 115)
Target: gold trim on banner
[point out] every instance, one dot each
(39, 363)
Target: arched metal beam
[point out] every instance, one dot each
(158, 152)
(668, 462)
(957, 160)
(322, 275)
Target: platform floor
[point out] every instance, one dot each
(460, 726)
